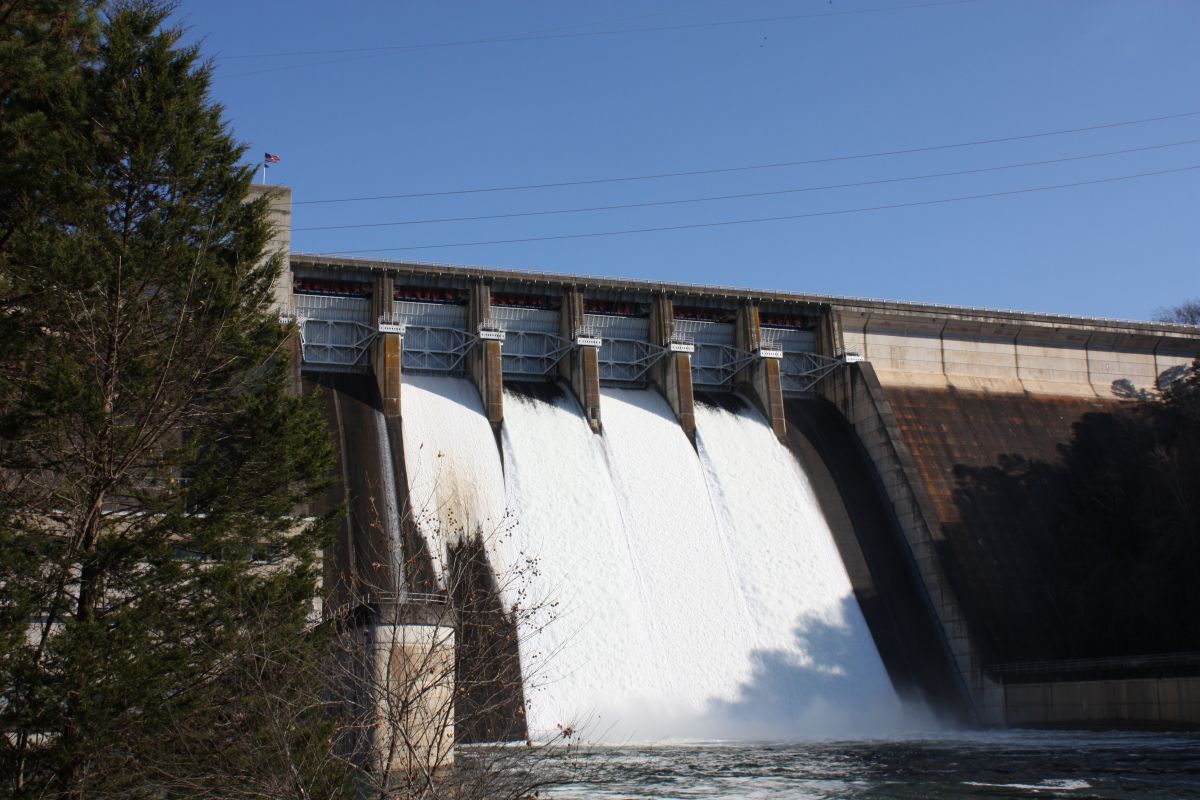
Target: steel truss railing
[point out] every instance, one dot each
(429, 348)
(334, 345)
(532, 352)
(800, 372)
(627, 360)
(717, 364)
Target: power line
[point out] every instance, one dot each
(751, 167)
(579, 34)
(725, 223)
(516, 214)
(368, 55)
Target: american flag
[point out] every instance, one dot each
(270, 158)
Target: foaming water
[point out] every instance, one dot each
(815, 665)
(678, 593)
(455, 481)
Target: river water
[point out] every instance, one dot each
(1018, 764)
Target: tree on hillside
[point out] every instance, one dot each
(1186, 313)
(152, 457)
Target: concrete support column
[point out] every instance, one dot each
(483, 362)
(386, 350)
(761, 376)
(279, 200)
(581, 367)
(829, 334)
(397, 680)
(673, 374)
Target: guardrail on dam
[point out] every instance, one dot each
(885, 403)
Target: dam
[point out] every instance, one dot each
(675, 511)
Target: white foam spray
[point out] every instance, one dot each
(391, 509)
(678, 594)
(455, 482)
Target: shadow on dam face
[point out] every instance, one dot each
(361, 560)
(1065, 533)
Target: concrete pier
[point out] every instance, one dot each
(673, 374)
(580, 368)
(386, 349)
(760, 378)
(395, 678)
(484, 364)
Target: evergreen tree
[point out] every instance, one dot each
(152, 457)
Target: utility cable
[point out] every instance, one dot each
(724, 223)
(752, 167)
(580, 34)
(517, 214)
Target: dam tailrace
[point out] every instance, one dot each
(657, 589)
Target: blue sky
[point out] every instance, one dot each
(593, 91)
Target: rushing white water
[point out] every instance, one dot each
(816, 667)
(677, 594)
(391, 509)
(455, 482)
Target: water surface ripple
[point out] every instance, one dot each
(986, 765)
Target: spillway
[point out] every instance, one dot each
(671, 591)
(455, 481)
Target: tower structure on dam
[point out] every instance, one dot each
(890, 402)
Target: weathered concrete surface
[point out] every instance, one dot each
(281, 238)
(386, 350)
(859, 396)
(580, 368)
(360, 560)
(672, 375)
(484, 363)
(413, 676)
(1015, 356)
(947, 406)
(760, 378)
(999, 540)
(1145, 703)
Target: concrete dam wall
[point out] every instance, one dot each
(689, 511)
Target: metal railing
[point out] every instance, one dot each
(431, 349)
(801, 372)
(467, 270)
(368, 598)
(626, 361)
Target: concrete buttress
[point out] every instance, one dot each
(386, 350)
(484, 363)
(673, 374)
(761, 376)
(581, 367)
